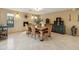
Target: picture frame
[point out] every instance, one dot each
(69, 17)
(78, 18)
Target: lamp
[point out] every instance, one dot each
(35, 17)
(32, 17)
(17, 15)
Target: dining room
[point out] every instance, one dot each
(39, 28)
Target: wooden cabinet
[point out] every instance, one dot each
(58, 26)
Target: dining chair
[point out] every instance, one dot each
(35, 32)
(49, 29)
(32, 31)
(28, 29)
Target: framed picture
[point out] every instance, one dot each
(10, 20)
(78, 18)
(69, 17)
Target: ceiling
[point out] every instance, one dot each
(43, 11)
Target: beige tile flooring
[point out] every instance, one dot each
(21, 41)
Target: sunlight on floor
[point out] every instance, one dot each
(21, 41)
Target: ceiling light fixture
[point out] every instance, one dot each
(38, 9)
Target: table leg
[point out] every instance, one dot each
(41, 35)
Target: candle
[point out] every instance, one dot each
(36, 26)
(42, 25)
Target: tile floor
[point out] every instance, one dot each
(20, 41)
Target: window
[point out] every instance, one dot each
(10, 20)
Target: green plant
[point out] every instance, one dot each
(38, 21)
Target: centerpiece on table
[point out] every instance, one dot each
(38, 21)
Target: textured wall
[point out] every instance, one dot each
(65, 16)
(18, 21)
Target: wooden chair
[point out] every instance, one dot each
(49, 29)
(34, 31)
(28, 29)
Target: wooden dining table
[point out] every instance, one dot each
(41, 30)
